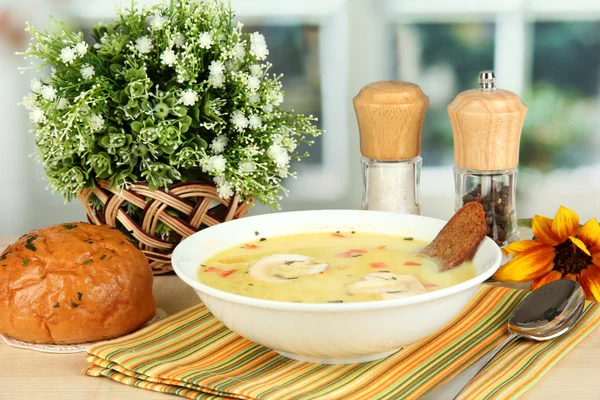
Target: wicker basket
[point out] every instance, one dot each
(197, 204)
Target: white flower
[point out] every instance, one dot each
(247, 167)
(283, 172)
(48, 92)
(218, 144)
(216, 67)
(258, 46)
(81, 48)
(267, 108)
(255, 122)
(144, 45)
(215, 165)
(168, 58)
(87, 71)
(239, 120)
(36, 115)
(216, 78)
(67, 55)
(35, 85)
(255, 70)
(279, 155)
(239, 51)
(179, 40)
(253, 98)
(289, 143)
(96, 122)
(62, 104)
(188, 98)
(275, 97)
(205, 40)
(253, 83)
(216, 81)
(224, 188)
(30, 102)
(158, 21)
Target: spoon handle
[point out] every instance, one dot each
(452, 388)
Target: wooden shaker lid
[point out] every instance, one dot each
(390, 118)
(486, 125)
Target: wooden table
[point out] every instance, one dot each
(26, 374)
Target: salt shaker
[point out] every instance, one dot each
(486, 125)
(390, 118)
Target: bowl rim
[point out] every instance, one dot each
(330, 307)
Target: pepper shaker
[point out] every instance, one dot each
(390, 118)
(486, 126)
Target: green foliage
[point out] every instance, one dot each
(167, 93)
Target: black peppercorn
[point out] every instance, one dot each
(498, 209)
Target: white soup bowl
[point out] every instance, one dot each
(330, 333)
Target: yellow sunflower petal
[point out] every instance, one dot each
(520, 246)
(580, 244)
(596, 257)
(549, 277)
(531, 264)
(590, 233)
(565, 224)
(542, 229)
(590, 281)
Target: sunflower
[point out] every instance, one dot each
(561, 250)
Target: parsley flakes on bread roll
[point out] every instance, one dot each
(74, 283)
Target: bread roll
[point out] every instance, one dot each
(74, 283)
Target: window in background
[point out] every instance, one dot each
(444, 59)
(294, 52)
(561, 126)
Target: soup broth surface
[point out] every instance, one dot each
(348, 257)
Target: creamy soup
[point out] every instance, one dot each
(338, 267)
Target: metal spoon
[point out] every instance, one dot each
(547, 313)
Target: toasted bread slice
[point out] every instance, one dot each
(459, 238)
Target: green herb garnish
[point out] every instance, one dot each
(263, 239)
(25, 262)
(56, 305)
(335, 301)
(79, 296)
(353, 232)
(250, 284)
(356, 255)
(408, 238)
(256, 233)
(69, 226)
(103, 256)
(73, 304)
(29, 245)
(87, 261)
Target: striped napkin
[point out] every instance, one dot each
(193, 355)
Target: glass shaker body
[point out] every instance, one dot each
(391, 186)
(496, 191)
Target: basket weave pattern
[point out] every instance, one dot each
(197, 204)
